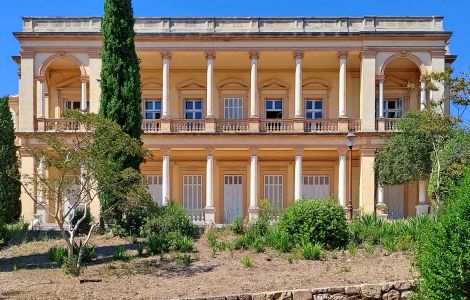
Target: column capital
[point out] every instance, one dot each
(210, 152)
(380, 78)
(298, 54)
(165, 54)
(84, 78)
(367, 53)
(210, 55)
(342, 151)
(166, 151)
(299, 151)
(342, 54)
(368, 152)
(41, 78)
(254, 151)
(254, 54)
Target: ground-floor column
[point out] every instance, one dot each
(41, 207)
(342, 177)
(367, 181)
(298, 177)
(27, 174)
(422, 207)
(253, 209)
(166, 180)
(209, 212)
(381, 209)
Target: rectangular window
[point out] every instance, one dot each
(393, 108)
(153, 109)
(192, 193)
(315, 187)
(233, 108)
(193, 109)
(314, 109)
(274, 190)
(75, 104)
(154, 184)
(273, 108)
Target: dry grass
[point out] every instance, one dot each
(166, 277)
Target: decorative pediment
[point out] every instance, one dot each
(232, 84)
(191, 85)
(315, 84)
(274, 84)
(151, 84)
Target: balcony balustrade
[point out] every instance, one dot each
(321, 125)
(232, 126)
(276, 126)
(183, 125)
(150, 126)
(390, 124)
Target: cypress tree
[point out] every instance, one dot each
(120, 80)
(10, 188)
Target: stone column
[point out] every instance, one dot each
(298, 111)
(422, 207)
(342, 177)
(27, 171)
(210, 84)
(254, 84)
(210, 209)
(380, 202)
(253, 209)
(166, 179)
(27, 93)
(298, 177)
(381, 96)
(367, 91)
(42, 98)
(342, 55)
(83, 102)
(422, 95)
(41, 207)
(367, 181)
(166, 84)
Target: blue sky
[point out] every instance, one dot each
(456, 13)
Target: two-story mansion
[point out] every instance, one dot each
(240, 109)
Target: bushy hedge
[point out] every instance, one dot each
(316, 221)
(443, 257)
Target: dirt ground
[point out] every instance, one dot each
(26, 272)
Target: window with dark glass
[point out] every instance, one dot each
(193, 109)
(153, 109)
(273, 109)
(313, 109)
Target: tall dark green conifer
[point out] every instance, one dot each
(120, 80)
(10, 188)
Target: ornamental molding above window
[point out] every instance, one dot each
(315, 84)
(274, 84)
(232, 84)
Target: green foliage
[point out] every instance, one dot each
(279, 239)
(443, 256)
(267, 211)
(157, 244)
(140, 249)
(178, 242)
(70, 267)
(170, 218)
(10, 187)
(246, 261)
(133, 220)
(215, 244)
(258, 227)
(86, 224)
(88, 252)
(454, 159)
(120, 87)
(312, 251)
(120, 254)
(317, 221)
(185, 259)
(237, 226)
(58, 255)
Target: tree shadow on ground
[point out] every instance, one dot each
(42, 261)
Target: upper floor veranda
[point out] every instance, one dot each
(239, 75)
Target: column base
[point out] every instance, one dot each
(422, 209)
(343, 124)
(253, 213)
(209, 215)
(380, 124)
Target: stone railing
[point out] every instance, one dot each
(243, 24)
(321, 125)
(184, 125)
(390, 124)
(149, 126)
(276, 126)
(354, 125)
(393, 290)
(57, 125)
(232, 126)
(197, 216)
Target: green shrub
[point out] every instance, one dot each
(241, 242)
(178, 242)
(120, 254)
(89, 252)
(259, 227)
(85, 226)
(246, 261)
(58, 255)
(312, 251)
(279, 239)
(317, 221)
(267, 211)
(132, 221)
(17, 233)
(443, 252)
(157, 244)
(367, 228)
(70, 266)
(3, 233)
(170, 218)
(237, 226)
(258, 245)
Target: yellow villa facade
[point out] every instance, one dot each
(240, 109)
